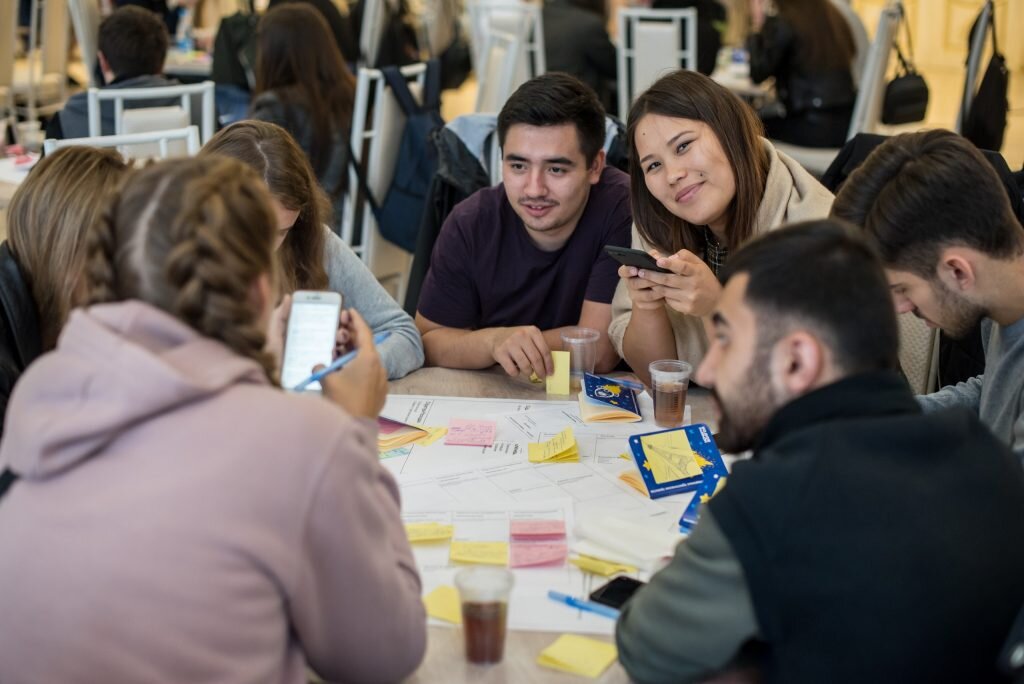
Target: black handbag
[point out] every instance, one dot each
(985, 123)
(906, 96)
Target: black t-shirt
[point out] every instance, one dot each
(486, 272)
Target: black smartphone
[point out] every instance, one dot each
(634, 257)
(616, 592)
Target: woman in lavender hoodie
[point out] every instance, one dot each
(178, 517)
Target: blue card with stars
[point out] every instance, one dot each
(603, 400)
(666, 470)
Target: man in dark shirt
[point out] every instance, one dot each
(517, 263)
(864, 541)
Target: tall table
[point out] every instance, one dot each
(445, 660)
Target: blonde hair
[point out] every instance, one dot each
(47, 222)
(191, 237)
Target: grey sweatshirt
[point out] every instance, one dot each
(997, 396)
(402, 353)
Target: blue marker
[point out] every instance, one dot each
(583, 604)
(337, 364)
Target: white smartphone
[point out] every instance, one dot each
(312, 325)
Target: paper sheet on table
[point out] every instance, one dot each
(558, 382)
(633, 542)
(578, 655)
(484, 553)
(464, 432)
(443, 604)
(428, 532)
(669, 456)
(561, 448)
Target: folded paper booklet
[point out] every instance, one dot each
(602, 400)
(392, 434)
(707, 489)
(677, 460)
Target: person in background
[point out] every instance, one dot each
(303, 85)
(517, 263)
(576, 42)
(132, 46)
(954, 255)
(210, 526)
(312, 256)
(41, 260)
(702, 182)
(808, 48)
(863, 541)
(711, 21)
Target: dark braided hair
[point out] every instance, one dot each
(191, 237)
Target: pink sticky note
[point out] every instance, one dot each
(537, 529)
(537, 554)
(462, 432)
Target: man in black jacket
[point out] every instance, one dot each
(864, 541)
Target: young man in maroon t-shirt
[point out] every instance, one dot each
(517, 263)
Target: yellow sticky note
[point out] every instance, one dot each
(443, 604)
(559, 449)
(433, 434)
(484, 553)
(579, 655)
(633, 479)
(558, 382)
(428, 532)
(625, 457)
(669, 456)
(604, 568)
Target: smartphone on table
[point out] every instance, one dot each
(634, 257)
(616, 592)
(312, 329)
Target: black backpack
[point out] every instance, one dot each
(398, 216)
(985, 123)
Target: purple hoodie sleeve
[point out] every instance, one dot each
(357, 607)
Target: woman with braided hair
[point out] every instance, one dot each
(312, 256)
(180, 516)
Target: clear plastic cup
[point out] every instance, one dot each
(483, 592)
(581, 343)
(30, 135)
(669, 381)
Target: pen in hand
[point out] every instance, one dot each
(337, 364)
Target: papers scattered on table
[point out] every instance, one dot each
(600, 567)
(558, 382)
(537, 543)
(483, 553)
(578, 655)
(463, 432)
(428, 532)
(443, 604)
(559, 449)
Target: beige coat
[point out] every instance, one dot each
(791, 194)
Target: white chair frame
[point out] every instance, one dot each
(120, 96)
(47, 58)
(370, 31)
(683, 22)
(384, 259)
(524, 20)
(9, 37)
(85, 19)
(977, 48)
(501, 59)
(189, 135)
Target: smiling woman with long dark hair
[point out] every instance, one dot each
(703, 181)
(303, 85)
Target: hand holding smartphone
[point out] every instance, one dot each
(634, 257)
(310, 340)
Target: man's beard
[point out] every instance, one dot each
(960, 315)
(744, 418)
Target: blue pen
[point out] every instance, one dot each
(337, 364)
(583, 604)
